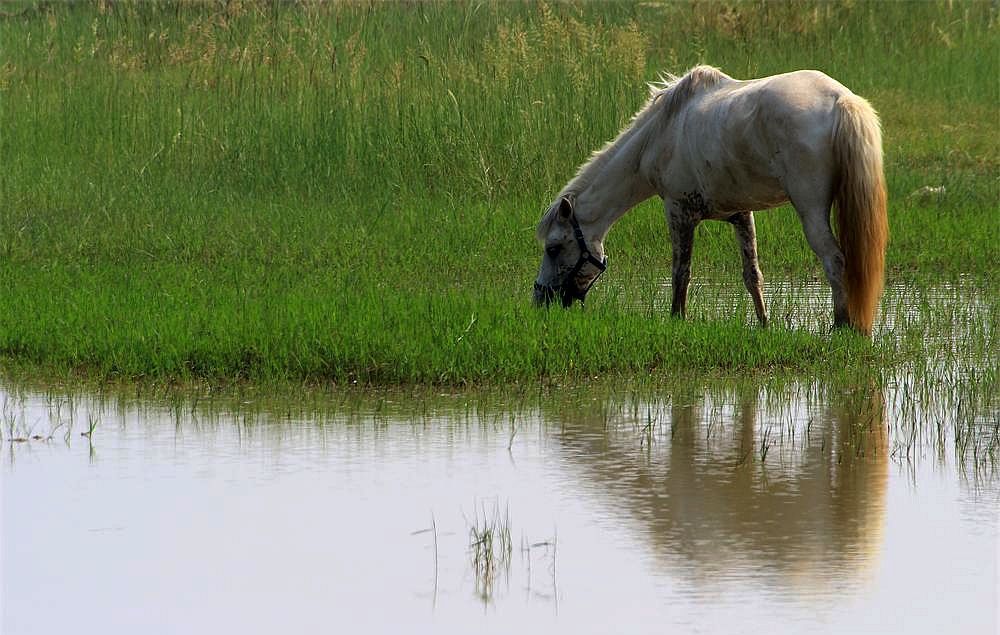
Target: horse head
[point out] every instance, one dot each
(570, 265)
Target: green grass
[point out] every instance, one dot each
(349, 192)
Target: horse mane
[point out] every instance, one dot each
(666, 96)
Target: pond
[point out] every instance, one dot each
(777, 504)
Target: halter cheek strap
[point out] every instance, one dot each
(586, 257)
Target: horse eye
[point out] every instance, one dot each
(553, 250)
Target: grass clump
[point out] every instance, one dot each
(490, 549)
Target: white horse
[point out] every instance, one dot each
(716, 148)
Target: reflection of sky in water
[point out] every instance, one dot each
(663, 512)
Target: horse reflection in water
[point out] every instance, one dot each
(714, 495)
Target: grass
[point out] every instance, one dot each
(348, 193)
(490, 548)
(923, 409)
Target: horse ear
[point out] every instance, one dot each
(565, 208)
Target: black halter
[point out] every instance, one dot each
(586, 257)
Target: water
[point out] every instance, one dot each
(702, 505)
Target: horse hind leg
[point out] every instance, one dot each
(746, 235)
(816, 225)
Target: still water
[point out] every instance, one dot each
(796, 505)
(728, 510)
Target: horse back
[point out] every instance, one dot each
(739, 143)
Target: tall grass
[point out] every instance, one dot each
(349, 191)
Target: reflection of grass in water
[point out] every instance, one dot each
(944, 386)
(939, 391)
(9, 417)
(92, 421)
(490, 549)
(15, 428)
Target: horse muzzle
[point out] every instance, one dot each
(545, 295)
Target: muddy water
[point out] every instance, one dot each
(764, 505)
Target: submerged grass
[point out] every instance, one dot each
(346, 192)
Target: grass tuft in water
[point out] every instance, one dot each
(490, 549)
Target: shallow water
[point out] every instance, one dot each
(703, 505)
(946, 310)
(738, 509)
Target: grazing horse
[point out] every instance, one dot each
(716, 148)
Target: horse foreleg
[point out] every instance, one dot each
(746, 235)
(682, 240)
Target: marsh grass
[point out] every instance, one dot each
(346, 192)
(92, 422)
(9, 420)
(490, 549)
(908, 413)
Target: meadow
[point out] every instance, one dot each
(348, 192)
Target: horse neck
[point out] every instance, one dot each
(618, 185)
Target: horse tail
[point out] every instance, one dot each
(862, 220)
